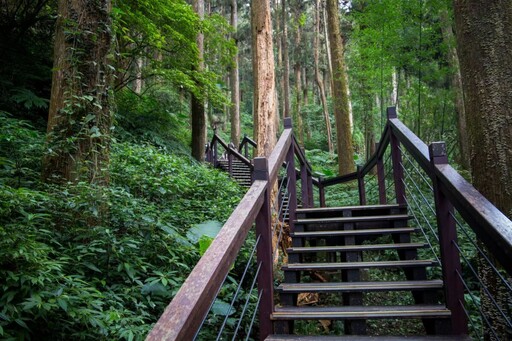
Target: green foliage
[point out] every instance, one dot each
(157, 117)
(79, 261)
(168, 29)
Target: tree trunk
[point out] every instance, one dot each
(318, 78)
(197, 104)
(286, 63)
(341, 107)
(456, 82)
(298, 84)
(235, 82)
(484, 37)
(264, 77)
(80, 118)
(329, 85)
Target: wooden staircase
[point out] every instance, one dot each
(239, 171)
(339, 246)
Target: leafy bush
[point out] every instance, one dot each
(80, 261)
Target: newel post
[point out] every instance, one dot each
(450, 258)
(361, 187)
(304, 187)
(292, 176)
(321, 192)
(396, 157)
(215, 156)
(264, 251)
(381, 178)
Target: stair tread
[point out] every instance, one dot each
(357, 265)
(367, 338)
(360, 286)
(360, 312)
(353, 219)
(354, 232)
(348, 208)
(347, 248)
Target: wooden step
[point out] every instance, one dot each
(360, 286)
(360, 312)
(362, 232)
(345, 220)
(350, 208)
(356, 248)
(358, 265)
(367, 338)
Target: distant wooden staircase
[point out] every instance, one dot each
(337, 244)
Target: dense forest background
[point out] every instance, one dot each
(105, 205)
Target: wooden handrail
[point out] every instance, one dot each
(184, 314)
(247, 140)
(231, 150)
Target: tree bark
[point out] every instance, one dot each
(298, 82)
(341, 106)
(197, 105)
(80, 118)
(235, 81)
(286, 63)
(484, 37)
(318, 77)
(264, 77)
(456, 82)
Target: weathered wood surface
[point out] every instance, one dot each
(184, 314)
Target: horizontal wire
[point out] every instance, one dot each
(254, 315)
(477, 305)
(482, 285)
(468, 315)
(419, 191)
(423, 214)
(219, 335)
(418, 171)
(247, 302)
(470, 238)
(424, 234)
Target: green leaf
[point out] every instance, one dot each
(209, 228)
(63, 304)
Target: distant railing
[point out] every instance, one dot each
(472, 239)
(244, 146)
(184, 316)
(230, 152)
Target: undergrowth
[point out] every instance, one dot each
(80, 261)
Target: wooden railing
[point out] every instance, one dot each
(451, 193)
(212, 153)
(245, 144)
(184, 315)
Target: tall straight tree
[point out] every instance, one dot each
(318, 76)
(235, 81)
(484, 37)
(79, 120)
(340, 92)
(197, 102)
(264, 77)
(286, 61)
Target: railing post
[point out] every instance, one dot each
(310, 190)
(292, 189)
(304, 183)
(321, 192)
(230, 159)
(381, 179)
(362, 189)
(246, 150)
(215, 156)
(264, 252)
(450, 258)
(396, 157)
